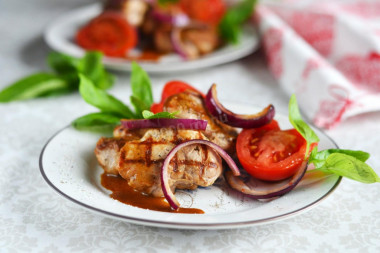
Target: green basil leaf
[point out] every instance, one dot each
(62, 63)
(71, 78)
(230, 26)
(89, 65)
(161, 115)
(92, 67)
(57, 92)
(147, 114)
(100, 99)
(301, 126)
(32, 86)
(348, 166)
(141, 86)
(319, 158)
(139, 106)
(96, 122)
(322, 155)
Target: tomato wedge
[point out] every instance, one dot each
(210, 12)
(172, 88)
(269, 153)
(109, 33)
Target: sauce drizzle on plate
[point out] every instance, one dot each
(122, 192)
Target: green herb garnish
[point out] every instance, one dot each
(346, 163)
(296, 120)
(101, 99)
(63, 79)
(113, 110)
(142, 97)
(36, 85)
(230, 27)
(150, 115)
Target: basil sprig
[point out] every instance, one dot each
(142, 96)
(301, 126)
(150, 115)
(112, 110)
(346, 163)
(101, 99)
(63, 79)
(230, 26)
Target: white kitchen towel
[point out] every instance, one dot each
(327, 53)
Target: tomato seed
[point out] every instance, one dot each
(254, 140)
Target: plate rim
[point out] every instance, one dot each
(180, 225)
(119, 64)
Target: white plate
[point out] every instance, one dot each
(59, 36)
(68, 164)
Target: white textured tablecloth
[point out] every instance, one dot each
(34, 218)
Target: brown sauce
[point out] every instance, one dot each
(122, 192)
(146, 55)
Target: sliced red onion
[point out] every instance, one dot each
(258, 189)
(236, 120)
(177, 20)
(165, 166)
(191, 124)
(186, 51)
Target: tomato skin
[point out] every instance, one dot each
(171, 88)
(269, 153)
(156, 107)
(109, 33)
(210, 11)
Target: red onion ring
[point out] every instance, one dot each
(177, 20)
(224, 115)
(191, 124)
(165, 166)
(179, 48)
(258, 189)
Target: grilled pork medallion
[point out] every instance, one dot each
(138, 155)
(190, 105)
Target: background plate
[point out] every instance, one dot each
(68, 164)
(60, 37)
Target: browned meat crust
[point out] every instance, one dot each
(190, 105)
(141, 161)
(107, 152)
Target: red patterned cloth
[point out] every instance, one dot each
(327, 53)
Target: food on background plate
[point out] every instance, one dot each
(145, 30)
(182, 146)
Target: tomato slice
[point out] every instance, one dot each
(210, 12)
(172, 88)
(156, 107)
(269, 153)
(109, 33)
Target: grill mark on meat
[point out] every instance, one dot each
(141, 160)
(174, 162)
(179, 162)
(175, 158)
(105, 144)
(204, 154)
